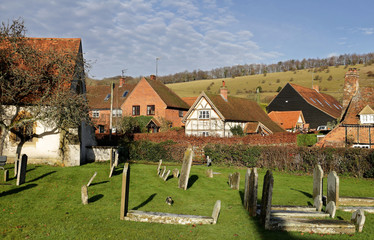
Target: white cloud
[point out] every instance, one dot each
(367, 31)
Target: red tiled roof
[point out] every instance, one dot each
(242, 110)
(285, 119)
(363, 97)
(97, 94)
(251, 127)
(189, 100)
(171, 99)
(322, 101)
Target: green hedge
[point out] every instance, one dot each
(306, 140)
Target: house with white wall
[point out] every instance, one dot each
(216, 115)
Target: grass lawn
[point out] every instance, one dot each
(49, 204)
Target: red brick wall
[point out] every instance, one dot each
(173, 116)
(103, 119)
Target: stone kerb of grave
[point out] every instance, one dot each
(331, 209)
(333, 188)
(92, 178)
(317, 186)
(162, 172)
(125, 191)
(253, 187)
(186, 168)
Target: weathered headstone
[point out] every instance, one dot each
(6, 175)
(162, 172)
(318, 203)
(175, 173)
(230, 179)
(358, 218)
(235, 180)
(252, 198)
(186, 168)
(166, 175)
(3, 160)
(267, 193)
(216, 210)
(159, 167)
(16, 162)
(111, 171)
(116, 158)
(209, 173)
(317, 182)
(208, 161)
(84, 193)
(333, 188)
(21, 175)
(125, 191)
(246, 188)
(111, 157)
(92, 178)
(331, 209)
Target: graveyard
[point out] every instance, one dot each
(49, 203)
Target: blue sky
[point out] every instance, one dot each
(201, 34)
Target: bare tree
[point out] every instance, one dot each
(37, 84)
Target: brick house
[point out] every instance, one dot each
(45, 142)
(216, 115)
(151, 97)
(318, 108)
(356, 127)
(99, 99)
(291, 121)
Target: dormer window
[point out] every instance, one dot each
(367, 115)
(107, 97)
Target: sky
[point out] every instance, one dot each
(189, 35)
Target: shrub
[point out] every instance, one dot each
(237, 130)
(306, 140)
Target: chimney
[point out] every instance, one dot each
(316, 87)
(223, 91)
(350, 86)
(153, 77)
(121, 82)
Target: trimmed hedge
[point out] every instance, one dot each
(306, 140)
(349, 161)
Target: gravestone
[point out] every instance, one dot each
(84, 193)
(111, 157)
(6, 175)
(16, 162)
(235, 180)
(166, 175)
(92, 178)
(317, 183)
(3, 160)
(252, 196)
(162, 172)
(267, 192)
(175, 173)
(216, 210)
(125, 191)
(159, 167)
(209, 173)
(22, 167)
(208, 161)
(331, 209)
(318, 203)
(358, 219)
(246, 188)
(230, 179)
(186, 168)
(333, 188)
(116, 158)
(111, 171)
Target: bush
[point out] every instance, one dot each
(238, 154)
(237, 130)
(306, 140)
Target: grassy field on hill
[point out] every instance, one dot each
(48, 205)
(330, 81)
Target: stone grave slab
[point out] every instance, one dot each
(216, 211)
(267, 193)
(111, 171)
(163, 171)
(331, 209)
(246, 188)
(333, 188)
(209, 173)
(356, 201)
(235, 180)
(355, 208)
(358, 218)
(16, 163)
(92, 178)
(166, 175)
(84, 193)
(159, 167)
(175, 173)
(253, 188)
(186, 168)
(21, 175)
(317, 203)
(125, 191)
(317, 184)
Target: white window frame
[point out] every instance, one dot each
(117, 113)
(204, 114)
(361, 146)
(367, 118)
(95, 113)
(205, 134)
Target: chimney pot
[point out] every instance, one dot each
(223, 91)
(121, 82)
(153, 77)
(316, 87)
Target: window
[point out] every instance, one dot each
(101, 129)
(107, 97)
(117, 113)
(205, 134)
(367, 118)
(151, 110)
(135, 110)
(180, 113)
(95, 113)
(125, 93)
(204, 114)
